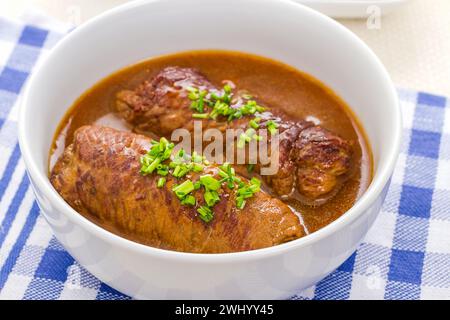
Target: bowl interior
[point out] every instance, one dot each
(294, 35)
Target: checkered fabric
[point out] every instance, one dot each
(406, 254)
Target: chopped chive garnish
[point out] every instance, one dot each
(228, 175)
(180, 164)
(180, 153)
(221, 104)
(250, 168)
(197, 167)
(255, 181)
(200, 115)
(162, 170)
(210, 183)
(153, 165)
(188, 200)
(211, 198)
(246, 191)
(247, 137)
(205, 213)
(241, 141)
(240, 203)
(196, 157)
(253, 124)
(249, 132)
(161, 182)
(227, 88)
(198, 99)
(256, 137)
(176, 171)
(272, 127)
(183, 189)
(159, 152)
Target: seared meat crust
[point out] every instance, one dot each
(98, 175)
(314, 162)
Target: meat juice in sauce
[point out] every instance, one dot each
(274, 84)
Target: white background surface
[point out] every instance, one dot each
(413, 42)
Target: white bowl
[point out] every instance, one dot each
(282, 30)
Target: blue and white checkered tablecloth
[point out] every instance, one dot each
(406, 254)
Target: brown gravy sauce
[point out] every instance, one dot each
(275, 84)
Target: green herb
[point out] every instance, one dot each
(211, 186)
(250, 132)
(151, 166)
(272, 127)
(221, 104)
(240, 202)
(198, 99)
(161, 182)
(254, 124)
(158, 153)
(256, 137)
(247, 137)
(182, 169)
(197, 167)
(242, 140)
(197, 185)
(193, 93)
(228, 175)
(211, 198)
(182, 164)
(246, 191)
(250, 168)
(205, 213)
(179, 157)
(162, 170)
(188, 200)
(210, 183)
(200, 115)
(251, 107)
(183, 189)
(221, 108)
(227, 94)
(196, 157)
(227, 88)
